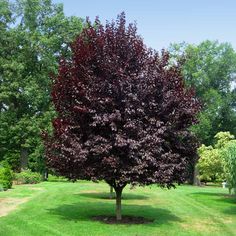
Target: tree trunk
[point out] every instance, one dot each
(111, 192)
(23, 159)
(45, 175)
(118, 202)
(196, 180)
(190, 172)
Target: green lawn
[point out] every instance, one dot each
(63, 208)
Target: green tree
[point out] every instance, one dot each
(212, 162)
(210, 68)
(229, 153)
(35, 34)
(222, 139)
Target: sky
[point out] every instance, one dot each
(161, 22)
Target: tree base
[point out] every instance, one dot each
(125, 220)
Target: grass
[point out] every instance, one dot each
(65, 209)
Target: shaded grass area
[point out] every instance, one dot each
(125, 220)
(63, 208)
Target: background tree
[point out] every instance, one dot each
(33, 35)
(229, 153)
(210, 68)
(210, 164)
(123, 112)
(222, 138)
(212, 161)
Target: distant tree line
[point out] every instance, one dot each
(36, 34)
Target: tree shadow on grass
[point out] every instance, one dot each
(227, 201)
(217, 196)
(230, 210)
(106, 195)
(85, 211)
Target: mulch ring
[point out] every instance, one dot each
(125, 220)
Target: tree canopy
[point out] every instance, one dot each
(229, 153)
(215, 161)
(34, 33)
(210, 68)
(211, 164)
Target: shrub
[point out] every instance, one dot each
(55, 178)
(28, 177)
(6, 176)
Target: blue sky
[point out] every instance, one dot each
(161, 22)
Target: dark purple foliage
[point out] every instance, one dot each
(123, 111)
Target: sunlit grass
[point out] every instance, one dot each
(63, 208)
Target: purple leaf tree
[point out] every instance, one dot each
(123, 112)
